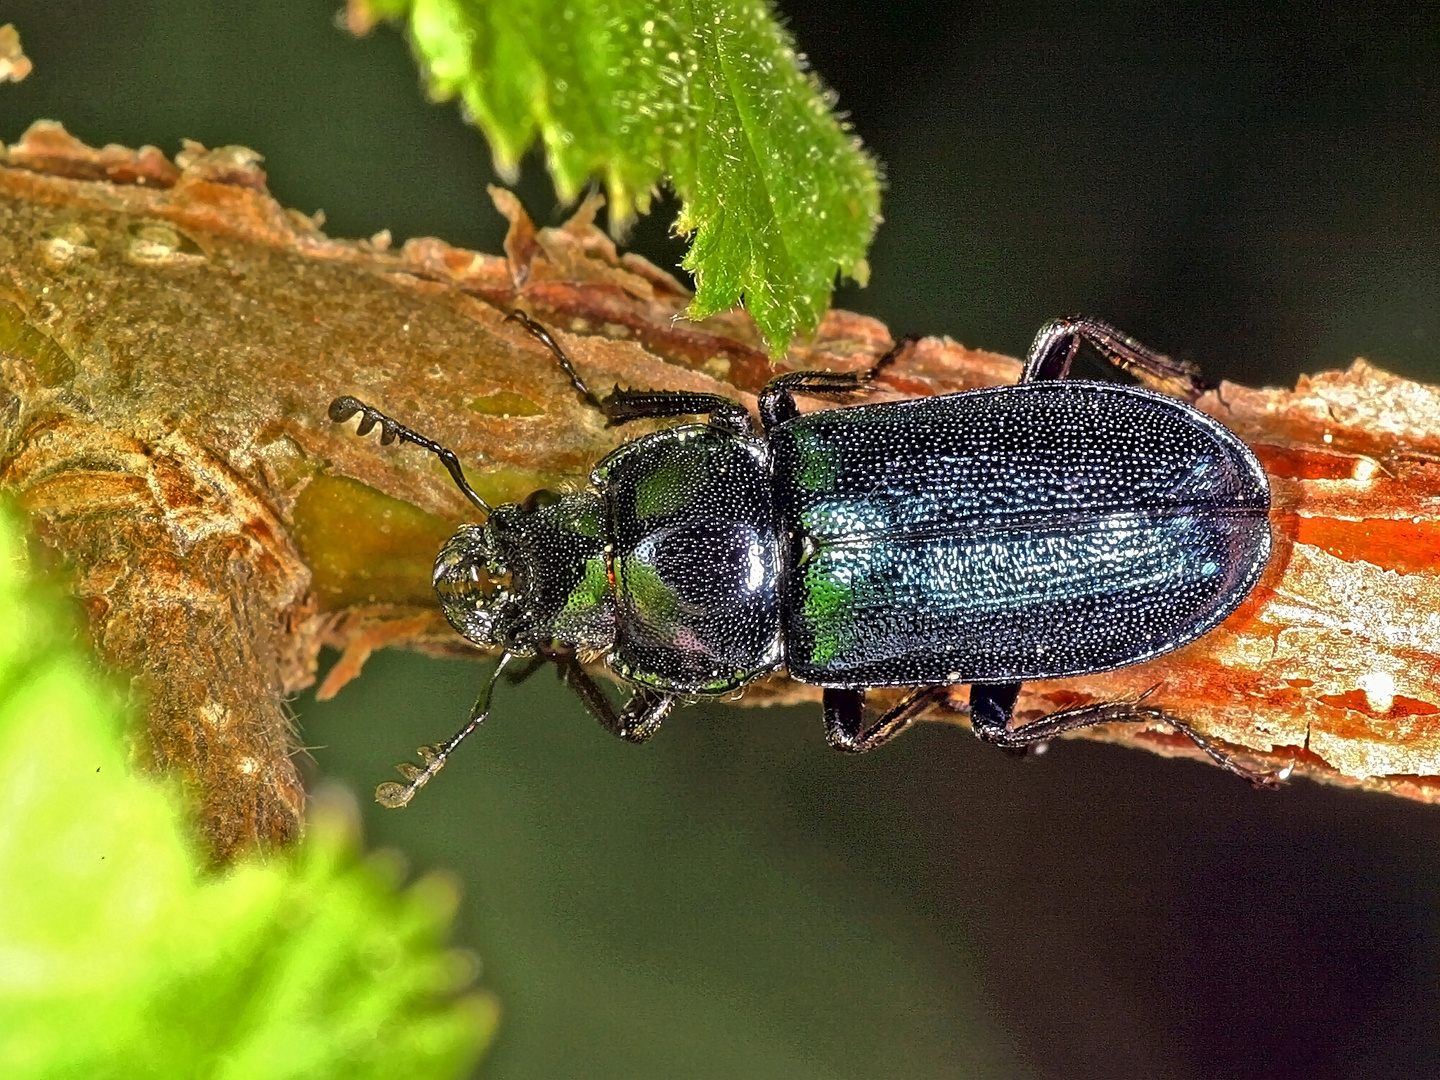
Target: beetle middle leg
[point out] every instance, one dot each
(845, 717)
(777, 400)
(993, 706)
(1055, 346)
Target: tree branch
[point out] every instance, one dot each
(169, 340)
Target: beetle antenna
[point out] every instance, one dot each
(343, 408)
(392, 795)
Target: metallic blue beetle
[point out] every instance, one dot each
(1037, 531)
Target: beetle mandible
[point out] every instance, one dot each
(1053, 528)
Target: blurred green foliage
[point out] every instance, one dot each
(121, 955)
(681, 909)
(709, 97)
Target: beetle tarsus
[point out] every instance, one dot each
(893, 354)
(1270, 781)
(621, 406)
(991, 709)
(540, 334)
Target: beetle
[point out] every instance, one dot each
(1052, 528)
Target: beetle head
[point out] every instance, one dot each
(533, 574)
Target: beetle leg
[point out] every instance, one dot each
(873, 371)
(1059, 340)
(529, 668)
(641, 716)
(621, 406)
(777, 400)
(992, 707)
(845, 717)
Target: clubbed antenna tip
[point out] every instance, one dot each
(393, 796)
(344, 407)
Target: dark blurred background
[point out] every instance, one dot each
(1254, 186)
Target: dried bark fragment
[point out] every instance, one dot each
(14, 64)
(169, 340)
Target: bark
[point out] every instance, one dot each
(170, 338)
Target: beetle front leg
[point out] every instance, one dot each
(845, 717)
(993, 706)
(622, 406)
(642, 714)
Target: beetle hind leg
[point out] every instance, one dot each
(845, 717)
(992, 707)
(1059, 340)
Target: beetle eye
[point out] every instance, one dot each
(466, 569)
(538, 500)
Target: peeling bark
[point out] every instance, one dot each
(170, 338)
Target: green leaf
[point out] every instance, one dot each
(122, 956)
(707, 95)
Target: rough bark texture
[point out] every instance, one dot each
(170, 338)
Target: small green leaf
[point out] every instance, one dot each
(122, 956)
(707, 95)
